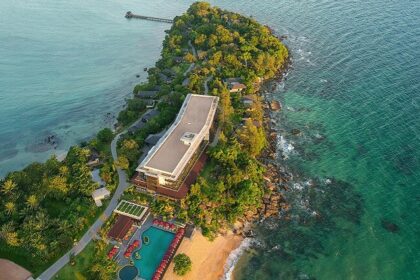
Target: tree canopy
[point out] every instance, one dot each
(182, 264)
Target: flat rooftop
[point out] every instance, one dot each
(195, 116)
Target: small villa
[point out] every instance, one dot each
(94, 158)
(234, 85)
(148, 94)
(248, 100)
(100, 194)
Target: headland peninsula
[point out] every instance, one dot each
(202, 104)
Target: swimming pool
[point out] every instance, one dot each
(128, 272)
(152, 253)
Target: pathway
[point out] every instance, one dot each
(192, 65)
(93, 230)
(193, 49)
(206, 88)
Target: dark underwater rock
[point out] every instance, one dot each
(390, 226)
(296, 132)
(8, 154)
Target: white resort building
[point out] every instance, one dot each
(172, 165)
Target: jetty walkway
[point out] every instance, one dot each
(131, 15)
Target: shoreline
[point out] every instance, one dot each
(274, 176)
(208, 257)
(217, 259)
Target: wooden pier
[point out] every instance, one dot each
(131, 15)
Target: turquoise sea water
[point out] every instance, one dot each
(352, 91)
(65, 69)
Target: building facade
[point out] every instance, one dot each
(167, 168)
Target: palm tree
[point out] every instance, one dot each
(8, 234)
(8, 186)
(10, 207)
(5, 229)
(41, 221)
(64, 226)
(32, 201)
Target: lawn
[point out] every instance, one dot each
(209, 171)
(83, 262)
(21, 257)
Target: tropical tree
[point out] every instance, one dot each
(252, 138)
(122, 162)
(8, 234)
(226, 110)
(182, 264)
(10, 207)
(58, 184)
(32, 201)
(8, 186)
(105, 135)
(189, 57)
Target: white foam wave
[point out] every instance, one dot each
(234, 256)
(286, 147)
(297, 186)
(280, 86)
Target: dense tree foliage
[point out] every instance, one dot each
(44, 208)
(229, 45)
(105, 135)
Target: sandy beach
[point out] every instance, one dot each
(208, 257)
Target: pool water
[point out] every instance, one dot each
(152, 253)
(128, 272)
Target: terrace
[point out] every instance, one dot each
(132, 210)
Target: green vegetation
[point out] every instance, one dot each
(91, 263)
(46, 206)
(229, 45)
(135, 107)
(105, 135)
(182, 264)
(81, 264)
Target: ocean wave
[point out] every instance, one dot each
(285, 147)
(234, 256)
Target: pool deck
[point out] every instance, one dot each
(120, 259)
